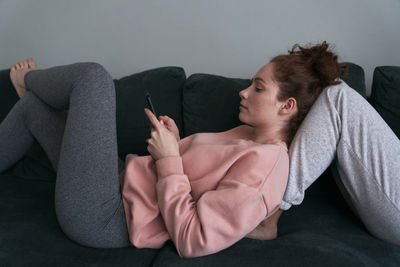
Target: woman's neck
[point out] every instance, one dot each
(263, 136)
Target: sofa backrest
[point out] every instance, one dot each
(356, 79)
(385, 95)
(8, 95)
(165, 85)
(211, 102)
(200, 103)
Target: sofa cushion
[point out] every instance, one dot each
(221, 110)
(211, 103)
(320, 232)
(133, 127)
(7, 92)
(385, 95)
(35, 161)
(356, 78)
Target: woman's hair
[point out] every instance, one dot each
(303, 74)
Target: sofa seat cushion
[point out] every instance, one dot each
(320, 232)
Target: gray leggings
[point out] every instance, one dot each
(343, 128)
(70, 111)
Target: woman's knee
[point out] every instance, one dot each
(337, 94)
(95, 79)
(94, 72)
(93, 68)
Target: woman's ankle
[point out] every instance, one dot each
(267, 229)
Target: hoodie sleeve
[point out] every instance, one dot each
(220, 217)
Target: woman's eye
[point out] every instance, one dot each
(257, 89)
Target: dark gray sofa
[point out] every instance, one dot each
(322, 231)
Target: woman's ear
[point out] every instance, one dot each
(288, 107)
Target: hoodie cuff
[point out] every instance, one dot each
(168, 166)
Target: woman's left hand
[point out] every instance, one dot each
(162, 142)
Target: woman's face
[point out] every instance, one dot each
(260, 102)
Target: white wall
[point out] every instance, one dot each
(232, 38)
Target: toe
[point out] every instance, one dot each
(31, 63)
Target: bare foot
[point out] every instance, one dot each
(267, 229)
(18, 72)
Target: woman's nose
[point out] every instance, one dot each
(243, 93)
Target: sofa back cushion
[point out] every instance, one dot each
(385, 95)
(211, 102)
(35, 160)
(8, 95)
(356, 79)
(133, 128)
(165, 85)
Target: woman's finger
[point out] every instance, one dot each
(163, 118)
(156, 124)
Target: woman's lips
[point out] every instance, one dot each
(242, 106)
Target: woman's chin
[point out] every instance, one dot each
(240, 118)
(244, 121)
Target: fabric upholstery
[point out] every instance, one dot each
(133, 127)
(211, 103)
(322, 231)
(385, 95)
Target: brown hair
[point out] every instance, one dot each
(303, 74)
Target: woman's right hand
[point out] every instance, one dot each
(170, 125)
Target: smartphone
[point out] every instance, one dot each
(150, 104)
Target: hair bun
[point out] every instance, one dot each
(321, 61)
(303, 74)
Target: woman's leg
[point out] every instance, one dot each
(87, 199)
(31, 119)
(344, 128)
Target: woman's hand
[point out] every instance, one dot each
(170, 125)
(163, 142)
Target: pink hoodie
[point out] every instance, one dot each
(220, 189)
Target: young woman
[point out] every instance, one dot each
(205, 192)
